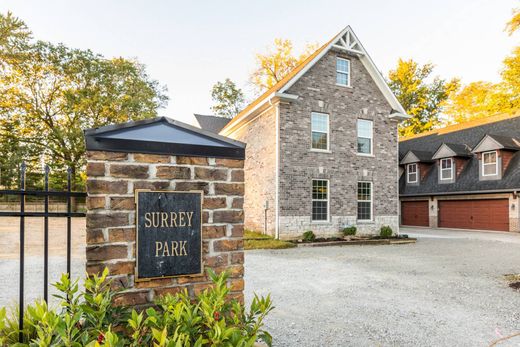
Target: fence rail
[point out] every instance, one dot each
(45, 193)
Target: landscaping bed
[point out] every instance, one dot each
(386, 236)
(359, 240)
(255, 240)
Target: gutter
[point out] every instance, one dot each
(510, 190)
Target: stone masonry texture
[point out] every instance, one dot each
(111, 181)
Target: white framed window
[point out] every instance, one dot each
(446, 166)
(342, 72)
(364, 136)
(364, 203)
(411, 173)
(489, 163)
(320, 200)
(320, 131)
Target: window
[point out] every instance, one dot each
(446, 169)
(320, 200)
(320, 131)
(489, 163)
(364, 205)
(411, 173)
(343, 72)
(364, 133)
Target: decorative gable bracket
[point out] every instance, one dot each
(348, 42)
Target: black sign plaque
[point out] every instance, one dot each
(169, 235)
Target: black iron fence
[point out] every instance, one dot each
(22, 193)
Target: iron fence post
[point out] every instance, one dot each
(22, 252)
(46, 239)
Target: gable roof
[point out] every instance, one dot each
(493, 142)
(468, 180)
(452, 149)
(414, 156)
(162, 135)
(346, 40)
(211, 123)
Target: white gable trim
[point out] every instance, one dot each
(487, 144)
(410, 158)
(348, 41)
(444, 151)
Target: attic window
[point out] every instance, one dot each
(489, 163)
(343, 72)
(446, 169)
(411, 173)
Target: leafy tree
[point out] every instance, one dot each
(277, 62)
(54, 92)
(514, 24)
(228, 99)
(422, 100)
(475, 100)
(14, 37)
(483, 99)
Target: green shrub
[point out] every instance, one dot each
(309, 236)
(89, 319)
(349, 230)
(385, 231)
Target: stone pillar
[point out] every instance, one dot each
(113, 177)
(433, 211)
(514, 213)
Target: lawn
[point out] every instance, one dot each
(255, 240)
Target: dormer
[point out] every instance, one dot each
(494, 153)
(451, 159)
(416, 164)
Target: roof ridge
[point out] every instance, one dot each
(461, 126)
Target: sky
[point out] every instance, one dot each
(190, 45)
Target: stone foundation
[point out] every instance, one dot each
(294, 227)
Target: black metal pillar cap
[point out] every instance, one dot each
(162, 136)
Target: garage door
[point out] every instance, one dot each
(474, 214)
(415, 213)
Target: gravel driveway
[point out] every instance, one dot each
(445, 290)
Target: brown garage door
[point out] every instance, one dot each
(415, 213)
(474, 214)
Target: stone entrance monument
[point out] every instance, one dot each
(164, 205)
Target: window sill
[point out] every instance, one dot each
(344, 86)
(366, 155)
(320, 150)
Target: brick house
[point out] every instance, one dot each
(322, 146)
(464, 176)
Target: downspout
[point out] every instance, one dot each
(397, 183)
(276, 170)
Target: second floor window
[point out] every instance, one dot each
(446, 169)
(320, 131)
(411, 173)
(489, 163)
(343, 72)
(364, 133)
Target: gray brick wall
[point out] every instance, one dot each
(317, 91)
(259, 170)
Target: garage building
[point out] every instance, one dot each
(464, 176)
